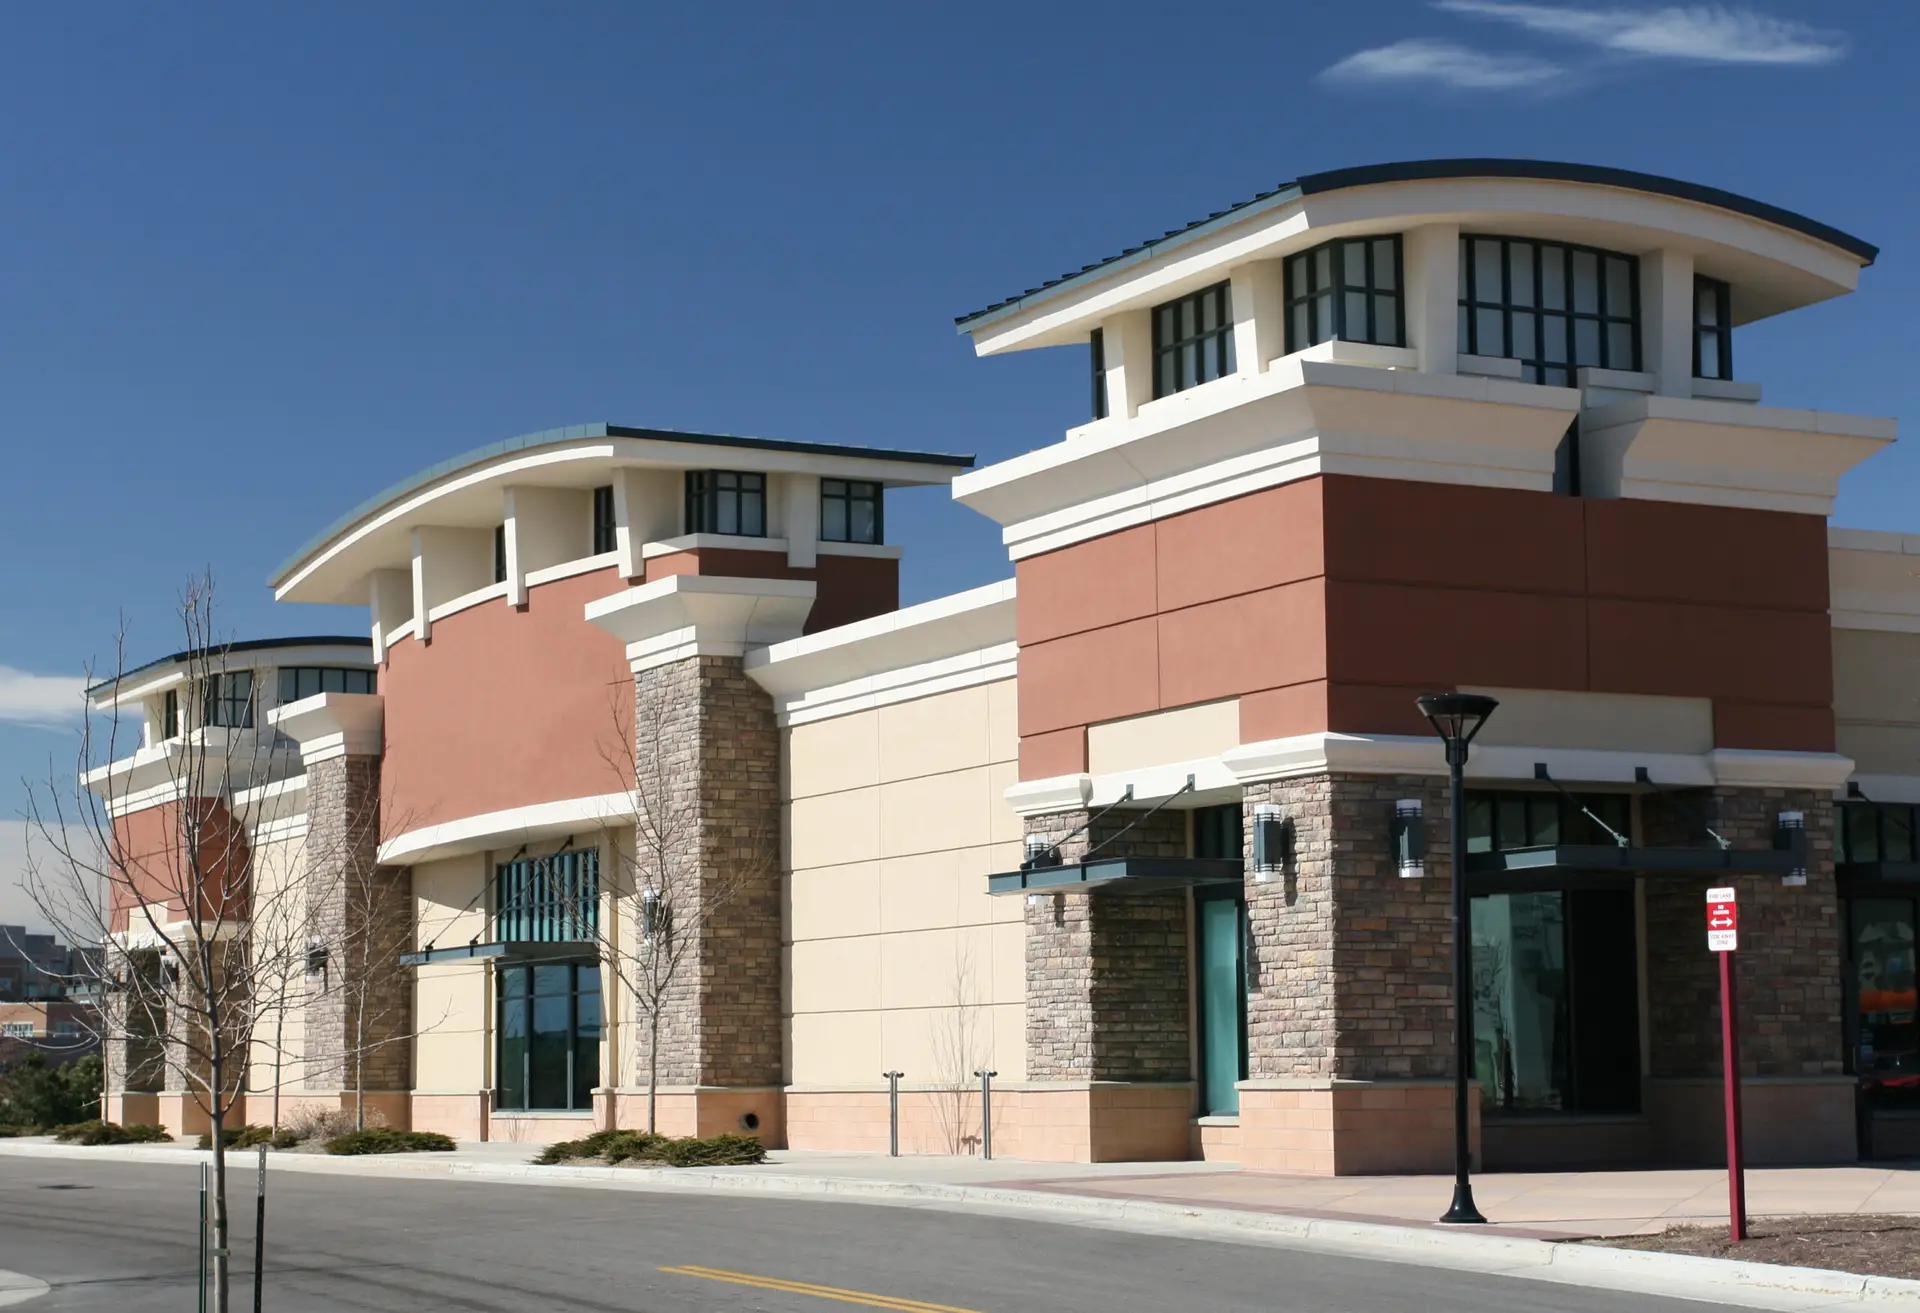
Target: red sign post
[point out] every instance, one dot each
(1723, 938)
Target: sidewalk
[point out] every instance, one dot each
(1384, 1218)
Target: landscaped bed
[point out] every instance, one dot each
(640, 1149)
(1879, 1245)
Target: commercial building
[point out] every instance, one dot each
(1153, 829)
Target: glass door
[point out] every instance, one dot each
(1220, 920)
(1882, 1002)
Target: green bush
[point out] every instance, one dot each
(9, 1132)
(384, 1139)
(616, 1147)
(286, 1139)
(99, 1132)
(246, 1137)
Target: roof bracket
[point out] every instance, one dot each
(1540, 772)
(1642, 776)
(1188, 787)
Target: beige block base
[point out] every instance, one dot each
(1350, 1128)
(702, 1111)
(135, 1109)
(384, 1107)
(1096, 1122)
(1216, 1139)
(183, 1117)
(1789, 1121)
(463, 1116)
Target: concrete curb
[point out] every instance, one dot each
(1679, 1276)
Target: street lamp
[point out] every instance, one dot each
(1456, 718)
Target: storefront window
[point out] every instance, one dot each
(1880, 969)
(549, 1028)
(1556, 1002)
(1499, 821)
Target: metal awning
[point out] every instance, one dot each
(1854, 874)
(1136, 874)
(1512, 868)
(502, 950)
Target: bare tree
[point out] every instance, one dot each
(961, 1046)
(152, 860)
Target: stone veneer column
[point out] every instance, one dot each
(133, 1058)
(359, 1010)
(1349, 1015)
(1798, 1102)
(708, 744)
(1108, 1009)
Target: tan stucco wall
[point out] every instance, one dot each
(1162, 737)
(897, 958)
(1876, 700)
(279, 928)
(450, 1000)
(1625, 722)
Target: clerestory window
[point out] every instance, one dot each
(727, 501)
(1346, 291)
(1553, 307)
(1193, 340)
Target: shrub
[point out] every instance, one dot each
(9, 1132)
(616, 1147)
(384, 1139)
(99, 1132)
(35, 1092)
(311, 1122)
(245, 1138)
(285, 1139)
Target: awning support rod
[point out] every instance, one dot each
(1855, 791)
(1084, 826)
(1184, 788)
(1540, 773)
(1642, 776)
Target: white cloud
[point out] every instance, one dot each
(1447, 64)
(43, 700)
(1711, 33)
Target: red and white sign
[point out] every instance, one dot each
(1723, 921)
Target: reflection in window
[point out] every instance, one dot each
(170, 714)
(1099, 361)
(849, 511)
(499, 553)
(1553, 307)
(1216, 831)
(1880, 970)
(1712, 329)
(727, 501)
(548, 1021)
(1347, 291)
(604, 539)
(1518, 819)
(548, 899)
(1193, 340)
(228, 700)
(1877, 832)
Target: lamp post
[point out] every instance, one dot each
(1456, 718)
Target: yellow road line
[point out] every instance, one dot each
(818, 1292)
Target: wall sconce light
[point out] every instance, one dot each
(1035, 900)
(317, 964)
(1790, 834)
(652, 915)
(1041, 852)
(1269, 843)
(1410, 838)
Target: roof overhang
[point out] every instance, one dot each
(1128, 874)
(162, 673)
(1777, 259)
(468, 490)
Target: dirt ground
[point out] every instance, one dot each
(1884, 1246)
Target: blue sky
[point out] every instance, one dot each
(261, 261)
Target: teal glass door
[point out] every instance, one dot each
(1223, 1004)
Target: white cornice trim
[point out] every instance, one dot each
(1885, 788)
(950, 642)
(1058, 793)
(505, 828)
(872, 551)
(1780, 770)
(693, 542)
(687, 615)
(280, 829)
(465, 600)
(329, 725)
(1724, 453)
(568, 569)
(1299, 419)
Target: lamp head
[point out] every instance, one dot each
(1457, 717)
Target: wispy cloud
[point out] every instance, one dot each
(1712, 33)
(47, 701)
(1446, 64)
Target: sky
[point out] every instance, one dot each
(258, 262)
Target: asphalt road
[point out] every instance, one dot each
(121, 1236)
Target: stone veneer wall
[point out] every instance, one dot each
(708, 749)
(359, 1012)
(1352, 962)
(1107, 972)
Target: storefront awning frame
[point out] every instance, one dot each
(1127, 874)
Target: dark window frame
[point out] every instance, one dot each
(223, 708)
(1305, 294)
(1193, 340)
(1536, 365)
(1097, 356)
(1720, 331)
(294, 683)
(707, 495)
(1870, 831)
(170, 715)
(577, 1082)
(851, 494)
(499, 553)
(605, 531)
(545, 900)
(1532, 808)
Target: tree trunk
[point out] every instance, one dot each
(279, 1058)
(653, 1067)
(221, 1267)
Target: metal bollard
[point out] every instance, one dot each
(893, 1111)
(986, 1113)
(260, 1229)
(203, 1238)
